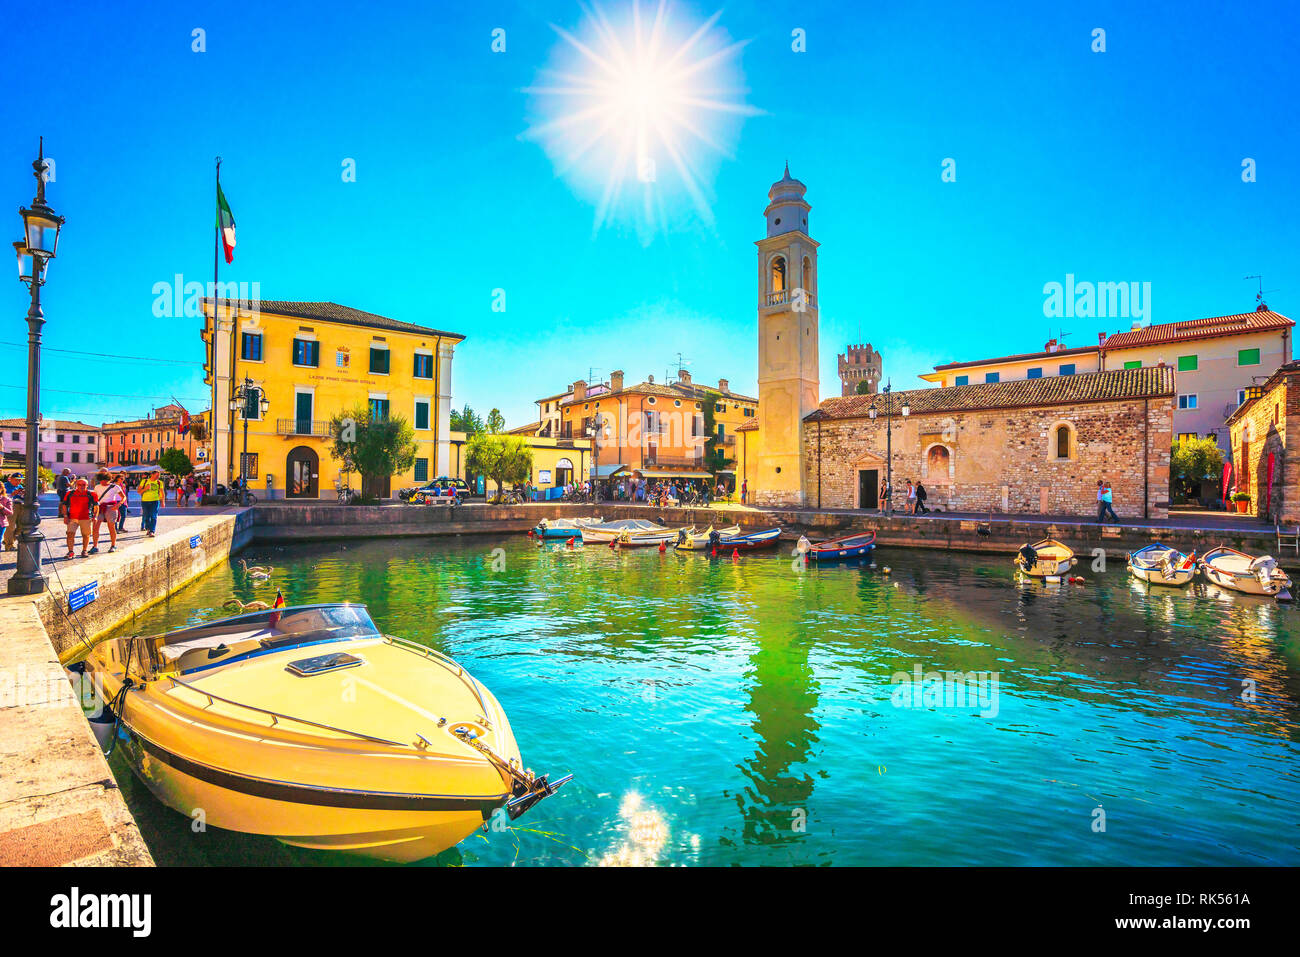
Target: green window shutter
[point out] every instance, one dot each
(421, 415)
(1135, 364)
(1248, 357)
(1187, 363)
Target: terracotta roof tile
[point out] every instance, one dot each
(1109, 386)
(333, 312)
(1199, 329)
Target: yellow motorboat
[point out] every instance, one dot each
(309, 725)
(1047, 559)
(702, 541)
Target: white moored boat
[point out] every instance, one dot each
(1229, 568)
(606, 532)
(1160, 564)
(309, 725)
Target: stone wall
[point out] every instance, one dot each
(1004, 460)
(1261, 430)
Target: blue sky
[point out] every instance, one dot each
(1115, 166)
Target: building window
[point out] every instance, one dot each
(76, 456)
(961, 380)
(1135, 364)
(719, 407)
(1036, 373)
(992, 377)
(1187, 401)
(378, 361)
(1186, 437)
(250, 346)
(378, 408)
(248, 464)
(423, 366)
(60, 437)
(306, 352)
(1248, 357)
(1241, 396)
(1067, 368)
(422, 414)
(422, 470)
(1187, 363)
(1062, 444)
(58, 456)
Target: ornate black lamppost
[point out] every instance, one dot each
(889, 443)
(41, 227)
(593, 433)
(248, 401)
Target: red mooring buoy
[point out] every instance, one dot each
(735, 554)
(663, 547)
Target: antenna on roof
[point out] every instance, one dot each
(1260, 304)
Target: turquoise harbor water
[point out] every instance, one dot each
(719, 713)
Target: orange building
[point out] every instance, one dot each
(143, 441)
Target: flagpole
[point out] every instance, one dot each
(216, 261)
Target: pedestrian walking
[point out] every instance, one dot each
(744, 492)
(6, 509)
(884, 496)
(151, 493)
(1104, 496)
(80, 507)
(13, 484)
(911, 498)
(126, 496)
(921, 496)
(63, 485)
(109, 496)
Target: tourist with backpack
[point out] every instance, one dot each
(80, 506)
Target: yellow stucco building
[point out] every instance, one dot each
(315, 360)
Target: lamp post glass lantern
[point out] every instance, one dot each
(249, 402)
(41, 227)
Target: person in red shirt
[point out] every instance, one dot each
(79, 507)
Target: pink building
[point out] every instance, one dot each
(60, 444)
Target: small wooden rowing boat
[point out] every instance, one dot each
(606, 532)
(649, 539)
(1229, 568)
(563, 527)
(709, 538)
(846, 547)
(1047, 559)
(753, 541)
(1162, 565)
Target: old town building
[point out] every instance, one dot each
(1264, 462)
(314, 361)
(143, 441)
(59, 444)
(1030, 446)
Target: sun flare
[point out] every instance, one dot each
(636, 114)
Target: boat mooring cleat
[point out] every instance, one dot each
(541, 788)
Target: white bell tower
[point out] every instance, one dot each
(788, 386)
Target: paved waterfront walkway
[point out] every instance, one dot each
(132, 540)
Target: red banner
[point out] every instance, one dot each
(1268, 506)
(1227, 478)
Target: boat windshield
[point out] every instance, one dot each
(274, 628)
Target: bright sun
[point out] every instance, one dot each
(637, 114)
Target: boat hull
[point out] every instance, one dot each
(701, 543)
(1158, 564)
(1054, 560)
(842, 549)
(755, 541)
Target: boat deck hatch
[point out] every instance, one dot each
(321, 664)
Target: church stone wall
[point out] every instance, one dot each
(1003, 461)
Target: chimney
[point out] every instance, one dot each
(650, 379)
(683, 377)
(616, 381)
(723, 385)
(1137, 324)
(1051, 346)
(579, 391)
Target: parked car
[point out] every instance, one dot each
(439, 490)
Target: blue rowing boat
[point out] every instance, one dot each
(841, 549)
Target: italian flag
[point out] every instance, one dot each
(226, 223)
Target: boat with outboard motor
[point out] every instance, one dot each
(1047, 559)
(845, 548)
(1229, 568)
(309, 725)
(1160, 564)
(751, 541)
(711, 537)
(652, 538)
(564, 527)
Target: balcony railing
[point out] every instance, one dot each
(313, 427)
(779, 298)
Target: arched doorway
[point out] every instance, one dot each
(301, 478)
(563, 472)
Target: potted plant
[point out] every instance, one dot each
(1242, 501)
